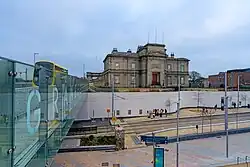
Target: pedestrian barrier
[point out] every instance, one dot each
(154, 139)
(166, 140)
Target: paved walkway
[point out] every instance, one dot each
(194, 153)
(206, 128)
(193, 112)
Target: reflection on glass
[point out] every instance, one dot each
(26, 113)
(34, 118)
(6, 104)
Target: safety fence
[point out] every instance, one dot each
(165, 139)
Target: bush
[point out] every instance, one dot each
(99, 140)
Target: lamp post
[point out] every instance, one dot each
(178, 112)
(226, 114)
(238, 101)
(34, 56)
(177, 126)
(113, 96)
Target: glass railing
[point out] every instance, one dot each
(34, 119)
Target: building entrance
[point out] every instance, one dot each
(155, 78)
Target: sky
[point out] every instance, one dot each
(213, 34)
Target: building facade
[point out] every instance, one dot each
(149, 66)
(217, 81)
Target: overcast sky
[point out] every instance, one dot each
(213, 34)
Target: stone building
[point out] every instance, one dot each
(149, 66)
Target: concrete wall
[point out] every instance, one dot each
(134, 101)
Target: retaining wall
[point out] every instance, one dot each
(97, 103)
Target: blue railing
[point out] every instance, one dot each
(148, 139)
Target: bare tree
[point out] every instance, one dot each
(230, 99)
(244, 98)
(202, 118)
(168, 104)
(198, 97)
(209, 113)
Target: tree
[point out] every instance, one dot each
(244, 98)
(195, 79)
(209, 113)
(168, 104)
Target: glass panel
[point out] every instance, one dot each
(6, 114)
(49, 72)
(26, 113)
(35, 117)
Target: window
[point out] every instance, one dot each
(129, 112)
(169, 80)
(117, 112)
(117, 65)
(169, 67)
(140, 111)
(182, 80)
(182, 68)
(117, 79)
(133, 65)
(133, 79)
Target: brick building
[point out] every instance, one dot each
(149, 66)
(217, 81)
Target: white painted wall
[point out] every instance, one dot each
(135, 101)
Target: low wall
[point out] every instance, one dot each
(97, 103)
(88, 148)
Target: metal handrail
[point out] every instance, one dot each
(16, 61)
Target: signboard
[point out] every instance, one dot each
(158, 157)
(108, 110)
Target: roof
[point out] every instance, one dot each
(154, 44)
(120, 54)
(52, 63)
(183, 59)
(239, 70)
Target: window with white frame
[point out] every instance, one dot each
(169, 80)
(182, 80)
(117, 65)
(132, 79)
(182, 67)
(133, 65)
(169, 67)
(117, 79)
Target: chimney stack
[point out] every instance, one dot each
(129, 51)
(172, 55)
(114, 50)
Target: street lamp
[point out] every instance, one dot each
(177, 126)
(238, 100)
(113, 96)
(35, 57)
(226, 113)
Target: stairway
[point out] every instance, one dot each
(136, 140)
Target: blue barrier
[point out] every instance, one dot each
(166, 140)
(155, 139)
